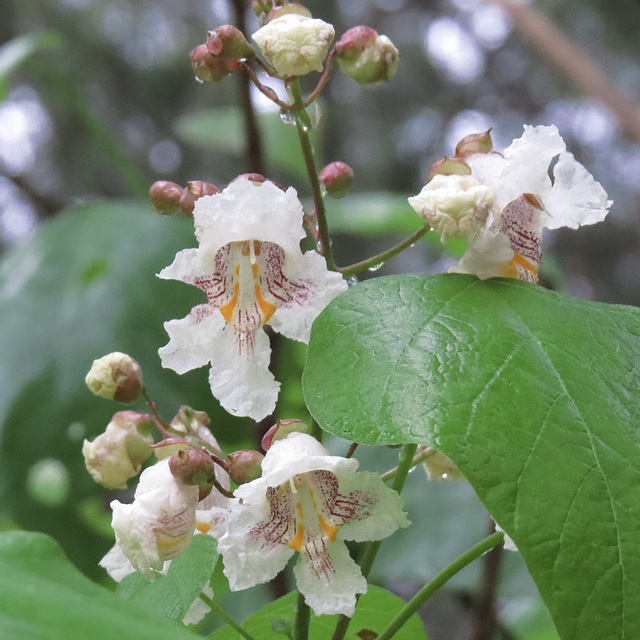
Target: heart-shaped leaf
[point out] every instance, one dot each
(535, 398)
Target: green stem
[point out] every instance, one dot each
(429, 589)
(303, 615)
(404, 466)
(421, 457)
(375, 261)
(303, 124)
(221, 613)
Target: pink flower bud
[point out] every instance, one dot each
(170, 446)
(245, 466)
(449, 167)
(195, 189)
(192, 467)
(366, 56)
(228, 43)
(165, 197)
(208, 68)
(258, 178)
(281, 429)
(116, 376)
(336, 178)
(474, 143)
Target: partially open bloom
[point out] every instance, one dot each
(308, 502)
(454, 205)
(158, 525)
(250, 266)
(295, 44)
(526, 200)
(117, 454)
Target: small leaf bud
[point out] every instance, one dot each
(474, 143)
(116, 376)
(117, 454)
(165, 197)
(449, 167)
(208, 68)
(282, 429)
(192, 467)
(195, 189)
(245, 465)
(336, 178)
(228, 43)
(366, 56)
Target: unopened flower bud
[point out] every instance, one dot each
(188, 420)
(366, 56)
(192, 467)
(439, 467)
(256, 178)
(195, 189)
(208, 68)
(289, 7)
(456, 206)
(228, 43)
(282, 429)
(449, 167)
(336, 178)
(474, 143)
(117, 455)
(245, 465)
(170, 446)
(116, 376)
(165, 197)
(295, 44)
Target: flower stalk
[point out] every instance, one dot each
(223, 615)
(303, 616)
(303, 124)
(444, 576)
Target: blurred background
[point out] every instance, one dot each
(97, 100)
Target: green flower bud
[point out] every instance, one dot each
(116, 376)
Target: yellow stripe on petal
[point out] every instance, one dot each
(268, 309)
(203, 527)
(296, 543)
(331, 532)
(227, 309)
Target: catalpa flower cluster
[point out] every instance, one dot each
(501, 202)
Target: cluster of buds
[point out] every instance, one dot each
(169, 198)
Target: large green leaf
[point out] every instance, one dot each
(533, 395)
(172, 595)
(43, 596)
(375, 610)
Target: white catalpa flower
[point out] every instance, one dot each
(528, 200)
(250, 267)
(310, 502)
(295, 44)
(158, 525)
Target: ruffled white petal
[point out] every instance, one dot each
(485, 256)
(294, 318)
(198, 609)
(192, 339)
(330, 580)
(242, 382)
(251, 550)
(116, 563)
(575, 198)
(246, 211)
(380, 510)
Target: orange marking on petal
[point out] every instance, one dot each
(296, 543)
(237, 269)
(525, 264)
(227, 309)
(254, 269)
(267, 308)
(203, 527)
(328, 529)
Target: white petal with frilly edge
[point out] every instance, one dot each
(329, 579)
